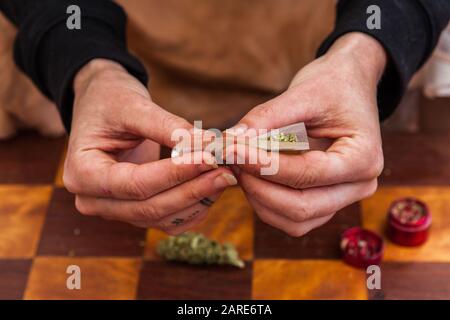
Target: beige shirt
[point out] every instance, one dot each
(214, 60)
(209, 60)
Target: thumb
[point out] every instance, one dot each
(283, 110)
(154, 123)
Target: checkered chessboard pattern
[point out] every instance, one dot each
(41, 234)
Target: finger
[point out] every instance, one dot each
(136, 223)
(292, 228)
(176, 224)
(150, 121)
(176, 221)
(98, 175)
(281, 111)
(176, 230)
(301, 205)
(341, 163)
(161, 205)
(189, 224)
(186, 215)
(147, 151)
(349, 158)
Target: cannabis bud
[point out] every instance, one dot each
(283, 137)
(195, 248)
(408, 211)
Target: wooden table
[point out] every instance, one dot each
(41, 234)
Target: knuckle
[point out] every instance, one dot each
(304, 178)
(148, 212)
(303, 212)
(195, 194)
(376, 168)
(296, 180)
(378, 164)
(83, 207)
(371, 188)
(70, 182)
(174, 122)
(177, 175)
(298, 216)
(374, 165)
(70, 179)
(265, 110)
(296, 232)
(138, 190)
(259, 112)
(134, 189)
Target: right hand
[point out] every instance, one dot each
(112, 162)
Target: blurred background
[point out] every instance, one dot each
(41, 233)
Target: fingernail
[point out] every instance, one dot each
(213, 165)
(237, 129)
(210, 160)
(225, 180)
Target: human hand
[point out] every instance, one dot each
(112, 163)
(336, 98)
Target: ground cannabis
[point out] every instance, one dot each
(195, 248)
(408, 212)
(283, 137)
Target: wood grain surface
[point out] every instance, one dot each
(22, 213)
(41, 234)
(102, 278)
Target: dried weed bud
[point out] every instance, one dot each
(194, 248)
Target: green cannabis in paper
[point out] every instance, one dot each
(283, 137)
(195, 248)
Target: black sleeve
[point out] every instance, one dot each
(409, 32)
(51, 54)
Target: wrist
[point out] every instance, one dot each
(92, 69)
(361, 51)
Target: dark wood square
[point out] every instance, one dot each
(67, 232)
(416, 159)
(413, 280)
(435, 115)
(321, 243)
(171, 280)
(13, 278)
(29, 158)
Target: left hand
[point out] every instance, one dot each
(335, 96)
